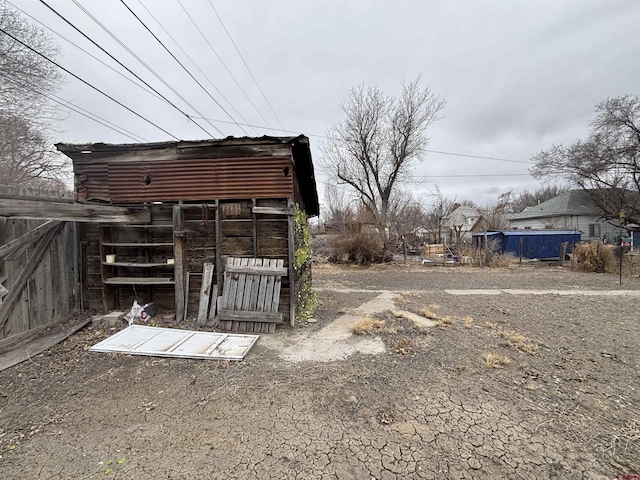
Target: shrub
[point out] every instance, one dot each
(367, 325)
(362, 249)
(594, 257)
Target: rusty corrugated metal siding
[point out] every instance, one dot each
(201, 179)
(93, 181)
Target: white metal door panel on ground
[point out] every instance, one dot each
(171, 342)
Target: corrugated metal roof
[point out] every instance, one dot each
(573, 202)
(256, 173)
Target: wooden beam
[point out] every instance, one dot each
(257, 270)
(72, 212)
(242, 316)
(179, 255)
(26, 239)
(273, 210)
(219, 266)
(30, 267)
(205, 295)
(292, 258)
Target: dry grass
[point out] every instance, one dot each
(427, 313)
(468, 322)
(492, 326)
(342, 310)
(444, 322)
(514, 339)
(531, 386)
(434, 306)
(368, 325)
(493, 360)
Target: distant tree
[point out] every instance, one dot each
(374, 148)
(338, 211)
(437, 213)
(508, 202)
(607, 163)
(26, 153)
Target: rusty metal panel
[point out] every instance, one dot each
(201, 179)
(92, 181)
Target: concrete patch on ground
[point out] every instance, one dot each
(417, 319)
(509, 291)
(335, 341)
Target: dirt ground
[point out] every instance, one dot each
(566, 405)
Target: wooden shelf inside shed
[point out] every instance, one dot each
(138, 264)
(138, 281)
(135, 244)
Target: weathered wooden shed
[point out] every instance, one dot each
(203, 202)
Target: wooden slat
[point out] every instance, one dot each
(248, 285)
(232, 280)
(255, 286)
(71, 212)
(213, 309)
(141, 281)
(241, 316)
(205, 294)
(262, 288)
(25, 240)
(275, 303)
(271, 280)
(242, 280)
(255, 270)
(180, 263)
(15, 291)
(226, 291)
(291, 251)
(273, 210)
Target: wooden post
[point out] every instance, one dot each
(179, 254)
(219, 265)
(404, 248)
(255, 228)
(486, 246)
(292, 248)
(521, 241)
(563, 252)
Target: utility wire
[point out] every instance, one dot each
(71, 106)
(223, 64)
(334, 138)
(87, 83)
(196, 65)
(141, 61)
(180, 63)
(85, 51)
(422, 178)
(245, 64)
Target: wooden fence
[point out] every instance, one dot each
(38, 266)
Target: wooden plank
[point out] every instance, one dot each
(259, 270)
(262, 288)
(273, 210)
(242, 280)
(232, 280)
(38, 346)
(214, 304)
(186, 297)
(255, 286)
(219, 265)
(271, 280)
(142, 281)
(242, 316)
(180, 263)
(276, 290)
(292, 252)
(15, 291)
(72, 212)
(226, 290)
(18, 244)
(248, 285)
(205, 294)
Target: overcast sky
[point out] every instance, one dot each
(517, 76)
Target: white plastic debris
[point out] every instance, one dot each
(135, 312)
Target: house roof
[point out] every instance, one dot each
(460, 214)
(573, 202)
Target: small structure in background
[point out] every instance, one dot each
(199, 202)
(530, 244)
(573, 210)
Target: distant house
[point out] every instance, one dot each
(572, 210)
(463, 222)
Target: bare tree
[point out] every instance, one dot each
(26, 81)
(437, 214)
(373, 149)
(607, 163)
(339, 212)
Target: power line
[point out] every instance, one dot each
(471, 175)
(245, 64)
(140, 60)
(180, 63)
(85, 51)
(223, 64)
(87, 83)
(334, 138)
(195, 65)
(71, 106)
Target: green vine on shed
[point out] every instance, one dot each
(307, 300)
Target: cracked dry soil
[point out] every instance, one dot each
(426, 408)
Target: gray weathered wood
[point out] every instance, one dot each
(214, 304)
(138, 281)
(242, 316)
(242, 280)
(255, 286)
(255, 270)
(180, 263)
(273, 210)
(25, 240)
(275, 302)
(72, 212)
(205, 294)
(21, 281)
(186, 297)
(292, 252)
